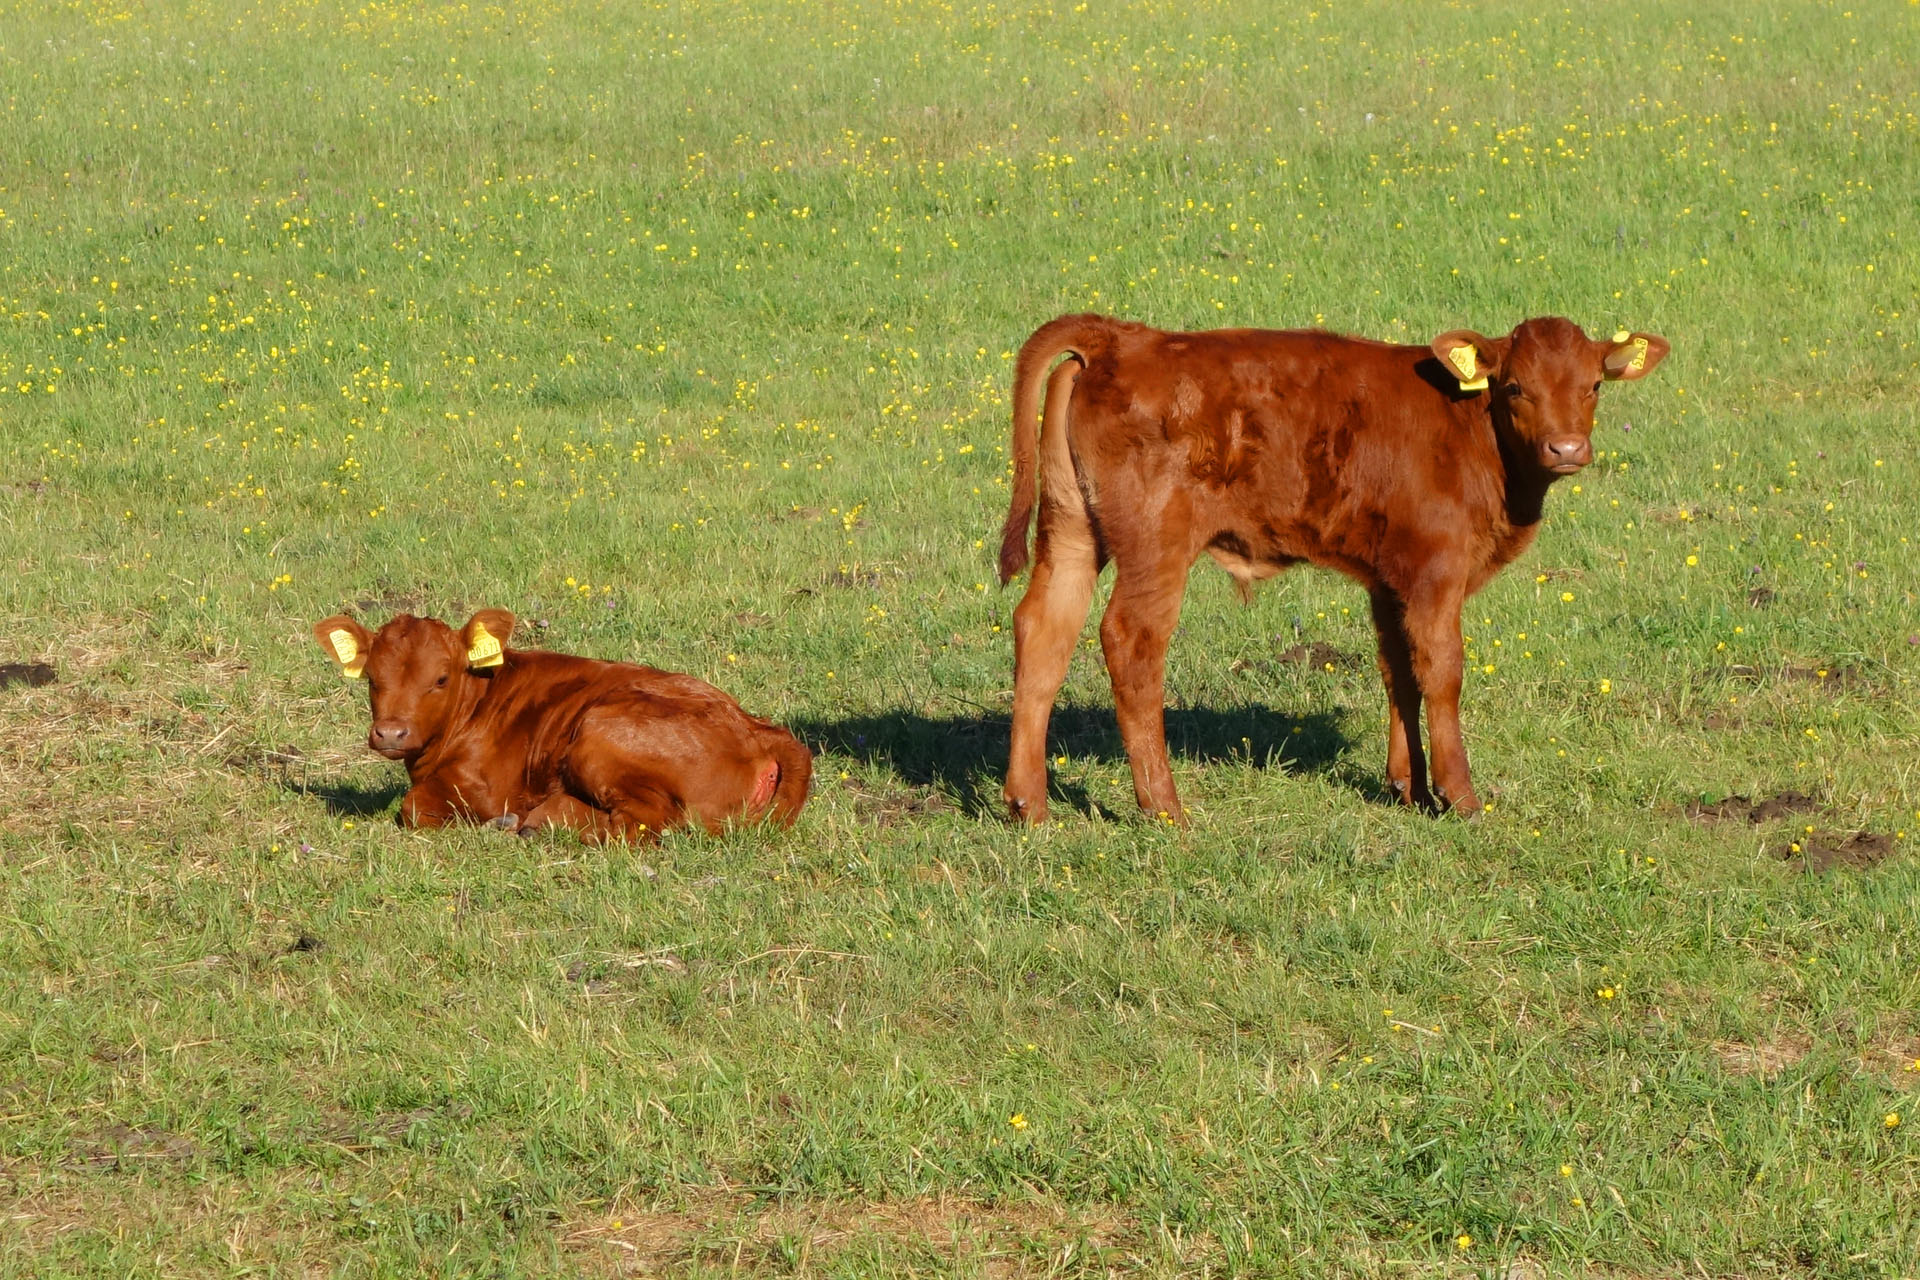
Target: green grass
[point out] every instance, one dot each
(686, 330)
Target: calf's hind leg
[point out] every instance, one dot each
(1048, 621)
(637, 818)
(629, 775)
(563, 810)
(1134, 632)
(640, 816)
(1046, 626)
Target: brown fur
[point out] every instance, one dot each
(611, 750)
(1265, 448)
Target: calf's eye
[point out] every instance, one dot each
(1514, 391)
(441, 683)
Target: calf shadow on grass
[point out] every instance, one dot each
(349, 799)
(966, 755)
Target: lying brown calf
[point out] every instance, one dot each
(1418, 470)
(527, 739)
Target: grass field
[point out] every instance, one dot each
(684, 331)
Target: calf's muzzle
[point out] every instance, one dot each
(1566, 454)
(390, 737)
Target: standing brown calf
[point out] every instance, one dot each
(1419, 471)
(527, 739)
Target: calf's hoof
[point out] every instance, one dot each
(1407, 793)
(505, 822)
(1029, 810)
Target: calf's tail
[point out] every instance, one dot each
(794, 779)
(1084, 337)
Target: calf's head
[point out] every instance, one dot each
(416, 670)
(1545, 379)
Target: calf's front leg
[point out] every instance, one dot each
(1433, 635)
(440, 801)
(428, 804)
(1406, 763)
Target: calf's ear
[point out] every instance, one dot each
(1627, 356)
(485, 636)
(1469, 357)
(346, 642)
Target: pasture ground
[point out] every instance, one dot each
(684, 331)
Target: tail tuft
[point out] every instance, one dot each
(1013, 547)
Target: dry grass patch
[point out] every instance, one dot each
(1766, 1058)
(1899, 1056)
(114, 715)
(731, 1229)
(169, 1225)
(128, 749)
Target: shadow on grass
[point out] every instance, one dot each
(348, 799)
(966, 755)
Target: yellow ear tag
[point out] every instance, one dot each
(1462, 359)
(486, 650)
(352, 661)
(1620, 337)
(1639, 360)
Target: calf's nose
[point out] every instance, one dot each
(388, 735)
(1569, 451)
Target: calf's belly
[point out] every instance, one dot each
(1253, 550)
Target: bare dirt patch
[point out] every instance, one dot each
(1830, 677)
(32, 675)
(275, 762)
(1318, 656)
(846, 579)
(1833, 677)
(884, 808)
(1679, 515)
(808, 515)
(389, 601)
(356, 1133)
(1820, 851)
(1765, 809)
(615, 973)
(1898, 1056)
(124, 1147)
(1322, 656)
